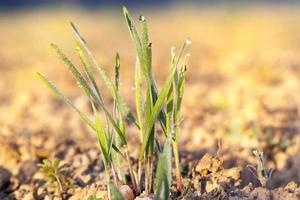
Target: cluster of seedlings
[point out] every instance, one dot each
(154, 171)
(151, 106)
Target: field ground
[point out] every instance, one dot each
(242, 91)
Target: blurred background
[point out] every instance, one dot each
(243, 83)
(13, 4)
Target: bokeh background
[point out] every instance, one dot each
(243, 85)
(90, 3)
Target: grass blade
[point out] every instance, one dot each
(143, 49)
(115, 193)
(119, 118)
(87, 69)
(156, 110)
(57, 92)
(89, 92)
(76, 73)
(86, 119)
(134, 35)
(115, 125)
(110, 87)
(108, 83)
(117, 71)
(146, 49)
(138, 97)
(102, 137)
(181, 87)
(163, 173)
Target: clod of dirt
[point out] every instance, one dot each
(210, 174)
(248, 188)
(281, 193)
(247, 193)
(27, 169)
(218, 193)
(25, 192)
(291, 186)
(126, 192)
(209, 164)
(261, 193)
(4, 177)
(86, 192)
(4, 196)
(144, 196)
(9, 155)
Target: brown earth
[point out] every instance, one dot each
(242, 94)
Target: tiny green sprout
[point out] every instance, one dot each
(260, 172)
(56, 174)
(93, 197)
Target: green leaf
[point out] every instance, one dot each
(163, 173)
(117, 71)
(93, 197)
(108, 83)
(87, 69)
(156, 110)
(115, 193)
(148, 112)
(101, 72)
(134, 35)
(89, 92)
(146, 49)
(170, 110)
(76, 73)
(181, 87)
(115, 125)
(102, 137)
(119, 118)
(138, 97)
(117, 150)
(56, 91)
(56, 163)
(143, 49)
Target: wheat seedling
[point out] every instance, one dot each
(151, 106)
(56, 174)
(260, 172)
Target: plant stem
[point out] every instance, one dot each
(132, 176)
(150, 174)
(107, 182)
(59, 184)
(114, 173)
(177, 166)
(147, 169)
(139, 175)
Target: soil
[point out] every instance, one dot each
(242, 93)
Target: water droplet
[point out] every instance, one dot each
(78, 84)
(173, 49)
(172, 131)
(188, 55)
(142, 18)
(133, 87)
(188, 41)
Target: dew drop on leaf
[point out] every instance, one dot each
(78, 84)
(142, 18)
(188, 41)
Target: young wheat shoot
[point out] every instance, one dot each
(151, 106)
